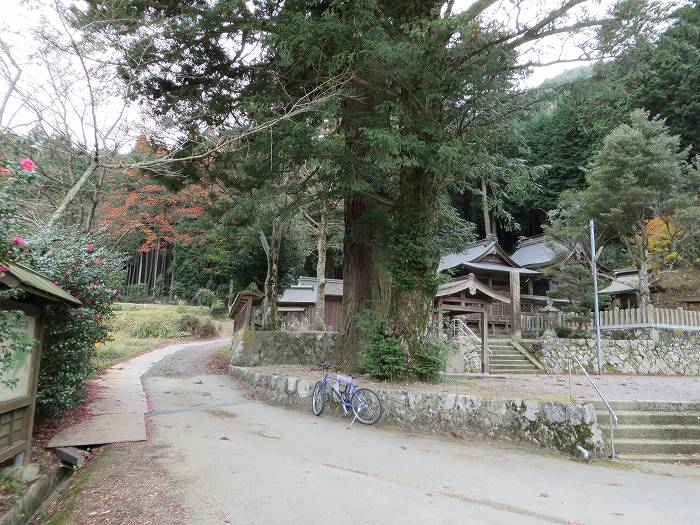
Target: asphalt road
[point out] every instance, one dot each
(238, 460)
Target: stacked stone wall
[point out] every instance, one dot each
(549, 424)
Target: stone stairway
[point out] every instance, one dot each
(654, 431)
(506, 358)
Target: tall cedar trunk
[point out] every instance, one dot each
(365, 284)
(643, 268)
(412, 297)
(321, 245)
(485, 207)
(270, 299)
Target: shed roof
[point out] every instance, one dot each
(240, 301)
(37, 284)
(306, 290)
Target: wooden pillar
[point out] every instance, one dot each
(439, 317)
(484, 343)
(516, 329)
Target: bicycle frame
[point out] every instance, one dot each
(344, 398)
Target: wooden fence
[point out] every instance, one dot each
(624, 319)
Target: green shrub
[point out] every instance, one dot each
(429, 361)
(205, 297)
(83, 266)
(381, 356)
(385, 357)
(136, 293)
(563, 331)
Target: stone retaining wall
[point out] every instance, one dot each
(549, 424)
(256, 347)
(671, 354)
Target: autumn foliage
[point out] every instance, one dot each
(156, 214)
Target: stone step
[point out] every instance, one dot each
(508, 358)
(660, 432)
(657, 446)
(513, 364)
(512, 370)
(644, 406)
(649, 417)
(693, 459)
(509, 369)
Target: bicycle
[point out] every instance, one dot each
(364, 403)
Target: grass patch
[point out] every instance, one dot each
(136, 328)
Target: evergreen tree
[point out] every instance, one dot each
(638, 175)
(422, 85)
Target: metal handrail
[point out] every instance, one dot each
(460, 326)
(611, 413)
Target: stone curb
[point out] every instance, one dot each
(553, 425)
(41, 489)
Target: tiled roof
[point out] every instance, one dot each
(469, 254)
(539, 251)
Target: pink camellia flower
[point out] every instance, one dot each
(90, 248)
(27, 164)
(4, 269)
(99, 262)
(4, 171)
(19, 241)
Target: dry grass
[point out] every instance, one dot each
(137, 328)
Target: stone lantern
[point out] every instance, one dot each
(551, 315)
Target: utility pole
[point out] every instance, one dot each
(596, 306)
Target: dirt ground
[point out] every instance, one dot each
(533, 386)
(126, 483)
(122, 484)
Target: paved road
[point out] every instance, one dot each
(237, 460)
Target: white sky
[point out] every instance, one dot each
(20, 16)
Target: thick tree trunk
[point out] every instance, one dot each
(321, 247)
(414, 260)
(365, 283)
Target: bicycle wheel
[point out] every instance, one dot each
(366, 405)
(318, 398)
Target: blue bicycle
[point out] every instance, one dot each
(364, 403)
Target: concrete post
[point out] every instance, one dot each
(516, 328)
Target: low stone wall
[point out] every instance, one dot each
(671, 354)
(549, 424)
(255, 348)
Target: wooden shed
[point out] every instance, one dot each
(17, 401)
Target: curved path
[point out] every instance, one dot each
(237, 460)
